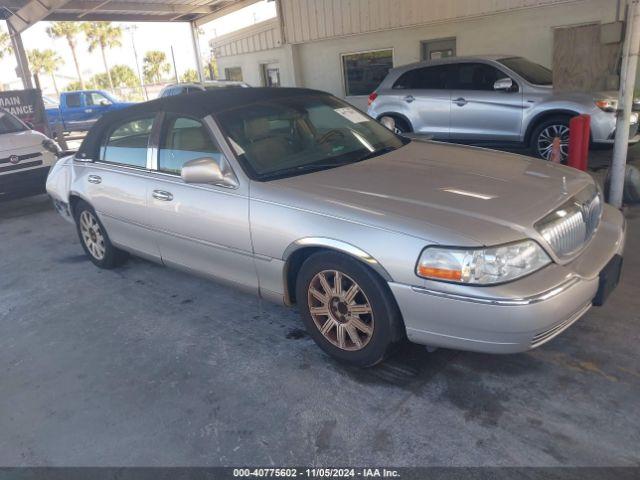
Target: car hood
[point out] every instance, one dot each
(440, 192)
(19, 140)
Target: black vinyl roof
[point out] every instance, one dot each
(197, 104)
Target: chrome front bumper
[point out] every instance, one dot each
(513, 317)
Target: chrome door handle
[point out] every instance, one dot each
(94, 179)
(162, 195)
(461, 102)
(409, 98)
(88, 110)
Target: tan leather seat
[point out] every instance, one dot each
(266, 150)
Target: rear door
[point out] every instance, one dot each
(116, 184)
(478, 112)
(73, 111)
(423, 93)
(201, 227)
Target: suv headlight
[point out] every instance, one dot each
(482, 266)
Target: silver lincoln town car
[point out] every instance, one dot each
(297, 196)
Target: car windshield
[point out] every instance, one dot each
(10, 124)
(530, 71)
(291, 136)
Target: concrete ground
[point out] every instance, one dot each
(148, 366)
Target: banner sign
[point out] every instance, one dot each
(28, 106)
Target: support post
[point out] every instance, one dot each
(196, 50)
(21, 57)
(625, 100)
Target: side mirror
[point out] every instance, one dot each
(389, 122)
(30, 125)
(207, 170)
(505, 84)
(104, 103)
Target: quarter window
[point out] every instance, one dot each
(363, 72)
(185, 139)
(127, 144)
(73, 100)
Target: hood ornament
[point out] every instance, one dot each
(565, 191)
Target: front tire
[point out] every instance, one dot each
(542, 138)
(94, 238)
(347, 309)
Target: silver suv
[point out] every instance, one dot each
(491, 100)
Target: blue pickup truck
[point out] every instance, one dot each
(78, 111)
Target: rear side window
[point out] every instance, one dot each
(425, 78)
(127, 144)
(185, 139)
(73, 100)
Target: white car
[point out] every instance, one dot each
(25, 158)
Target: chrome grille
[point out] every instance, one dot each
(570, 227)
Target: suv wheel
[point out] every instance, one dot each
(544, 134)
(347, 309)
(94, 238)
(402, 125)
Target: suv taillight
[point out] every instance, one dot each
(372, 97)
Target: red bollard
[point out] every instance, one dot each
(579, 130)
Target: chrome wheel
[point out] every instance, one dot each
(340, 310)
(545, 141)
(92, 235)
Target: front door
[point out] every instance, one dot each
(116, 184)
(204, 228)
(96, 105)
(478, 112)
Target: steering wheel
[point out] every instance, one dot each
(334, 132)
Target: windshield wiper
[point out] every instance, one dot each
(377, 152)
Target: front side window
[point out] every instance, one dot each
(185, 139)
(10, 124)
(127, 144)
(475, 76)
(73, 100)
(303, 133)
(97, 99)
(530, 71)
(363, 72)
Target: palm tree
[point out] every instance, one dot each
(68, 31)
(155, 64)
(45, 61)
(5, 44)
(103, 35)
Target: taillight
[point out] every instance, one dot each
(372, 97)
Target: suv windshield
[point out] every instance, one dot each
(10, 124)
(531, 72)
(296, 135)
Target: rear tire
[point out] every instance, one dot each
(543, 134)
(94, 238)
(348, 309)
(402, 126)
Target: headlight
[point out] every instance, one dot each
(633, 118)
(607, 105)
(51, 145)
(483, 266)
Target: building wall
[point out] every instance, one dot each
(310, 20)
(527, 32)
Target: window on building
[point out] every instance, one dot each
(127, 144)
(271, 75)
(363, 72)
(438, 48)
(233, 73)
(185, 139)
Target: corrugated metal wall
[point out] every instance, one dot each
(263, 36)
(308, 20)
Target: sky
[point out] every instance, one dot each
(147, 36)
